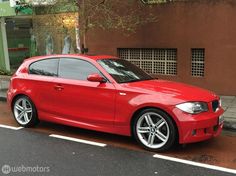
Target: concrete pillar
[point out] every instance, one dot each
(4, 55)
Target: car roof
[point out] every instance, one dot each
(64, 56)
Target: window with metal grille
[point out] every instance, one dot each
(198, 62)
(154, 61)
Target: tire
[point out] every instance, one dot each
(154, 130)
(25, 112)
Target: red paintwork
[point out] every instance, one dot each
(95, 78)
(100, 106)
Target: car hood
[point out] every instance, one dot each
(177, 92)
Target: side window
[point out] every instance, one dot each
(47, 67)
(76, 69)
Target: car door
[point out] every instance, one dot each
(40, 85)
(81, 100)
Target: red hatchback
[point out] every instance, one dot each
(112, 95)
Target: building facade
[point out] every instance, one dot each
(23, 33)
(193, 42)
(5, 11)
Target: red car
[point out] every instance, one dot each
(112, 95)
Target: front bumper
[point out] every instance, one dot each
(199, 127)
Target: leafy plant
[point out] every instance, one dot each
(5, 72)
(125, 16)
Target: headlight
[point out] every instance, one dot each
(193, 107)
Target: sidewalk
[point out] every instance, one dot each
(228, 103)
(4, 84)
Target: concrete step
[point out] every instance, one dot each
(230, 123)
(4, 82)
(3, 95)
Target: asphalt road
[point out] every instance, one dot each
(61, 157)
(33, 152)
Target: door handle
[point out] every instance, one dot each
(58, 87)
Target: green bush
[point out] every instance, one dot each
(5, 72)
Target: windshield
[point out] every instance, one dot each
(123, 71)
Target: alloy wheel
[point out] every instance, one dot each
(152, 130)
(23, 111)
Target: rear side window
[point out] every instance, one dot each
(76, 69)
(47, 67)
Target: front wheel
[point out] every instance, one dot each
(25, 112)
(154, 130)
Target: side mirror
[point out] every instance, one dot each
(96, 78)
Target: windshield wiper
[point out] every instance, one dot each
(137, 80)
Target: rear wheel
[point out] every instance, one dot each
(154, 130)
(25, 112)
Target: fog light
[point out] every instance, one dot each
(215, 128)
(194, 132)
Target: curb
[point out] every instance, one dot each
(4, 99)
(229, 125)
